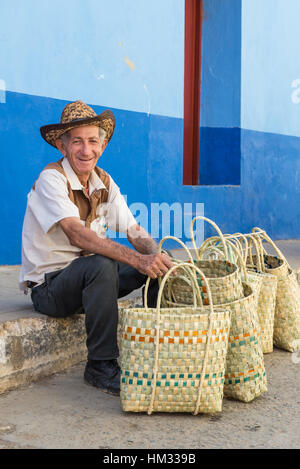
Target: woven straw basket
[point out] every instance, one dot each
(213, 247)
(264, 284)
(267, 297)
(287, 310)
(223, 277)
(173, 359)
(245, 377)
(122, 305)
(266, 310)
(224, 286)
(287, 313)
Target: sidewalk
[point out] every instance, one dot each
(60, 411)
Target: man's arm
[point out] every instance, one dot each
(147, 261)
(141, 240)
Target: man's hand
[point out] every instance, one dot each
(154, 265)
(150, 262)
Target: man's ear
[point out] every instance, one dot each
(103, 146)
(59, 144)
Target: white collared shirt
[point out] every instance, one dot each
(45, 246)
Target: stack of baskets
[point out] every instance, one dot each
(279, 298)
(214, 320)
(245, 376)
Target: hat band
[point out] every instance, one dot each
(80, 119)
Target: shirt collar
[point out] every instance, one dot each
(95, 182)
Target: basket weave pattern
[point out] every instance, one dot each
(255, 282)
(245, 376)
(224, 280)
(266, 310)
(183, 339)
(267, 300)
(286, 333)
(287, 313)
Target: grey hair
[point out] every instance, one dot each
(65, 137)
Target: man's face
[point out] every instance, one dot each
(83, 148)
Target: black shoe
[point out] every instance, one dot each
(103, 374)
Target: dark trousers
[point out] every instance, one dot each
(93, 283)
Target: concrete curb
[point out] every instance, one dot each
(32, 348)
(38, 346)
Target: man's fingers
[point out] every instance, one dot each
(167, 261)
(162, 268)
(162, 265)
(156, 265)
(151, 273)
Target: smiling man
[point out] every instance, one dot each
(67, 260)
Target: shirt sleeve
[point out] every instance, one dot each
(119, 218)
(49, 201)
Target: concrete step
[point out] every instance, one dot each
(33, 346)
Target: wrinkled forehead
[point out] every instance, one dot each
(85, 131)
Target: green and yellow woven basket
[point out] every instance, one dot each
(173, 359)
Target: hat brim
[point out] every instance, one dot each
(105, 120)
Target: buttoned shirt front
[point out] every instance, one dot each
(45, 246)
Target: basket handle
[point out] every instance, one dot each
(263, 235)
(215, 227)
(235, 237)
(259, 252)
(178, 241)
(210, 245)
(211, 250)
(175, 261)
(253, 238)
(189, 268)
(236, 251)
(207, 244)
(239, 256)
(171, 293)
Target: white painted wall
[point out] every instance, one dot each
(125, 54)
(271, 66)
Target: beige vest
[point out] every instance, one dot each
(86, 204)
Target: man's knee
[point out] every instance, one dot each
(103, 266)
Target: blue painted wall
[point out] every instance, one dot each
(221, 64)
(121, 55)
(220, 111)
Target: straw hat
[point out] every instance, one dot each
(78, 114)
